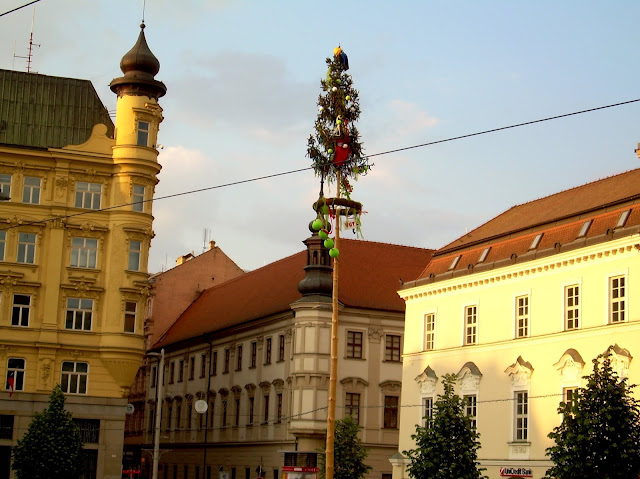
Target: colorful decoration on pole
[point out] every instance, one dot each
(335, 148)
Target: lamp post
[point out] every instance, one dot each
(156, 433)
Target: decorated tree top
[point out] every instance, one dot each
(335, 147)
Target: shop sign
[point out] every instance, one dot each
(516, 472)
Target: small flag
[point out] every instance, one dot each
(10, 382)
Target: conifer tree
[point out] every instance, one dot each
(349, 452)
(599, 437)
(447, 447)
(51, 448)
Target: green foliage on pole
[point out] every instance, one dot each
(599, 437)
(348, 451)
(51, 448)
(447, 448)
(335, 143)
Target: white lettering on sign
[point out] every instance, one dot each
(516, 471)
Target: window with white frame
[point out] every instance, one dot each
(74, 377)
(254, 354)
(279, 408)
(31, 190)
(3, 242)
(26, 248)
(88, 195)
(521, 415)
(470, 325)
(470, 408)
(137, 198)
(570, 396)
(354, 344)
(5, 185)
(79, 314)
(572, 307)
(427, 411)
(15, 374)
(522, 316)
(429, 331)
(84, 252)
(20, 310)
(392, 348)
(617, 299)
(267, 351)
(352, 406)
(135, 250)
(130, 310)
(143, 133)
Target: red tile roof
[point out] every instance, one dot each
(370, 275)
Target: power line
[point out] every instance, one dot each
(18, 8)
(289, 172)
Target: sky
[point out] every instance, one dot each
(243, 78)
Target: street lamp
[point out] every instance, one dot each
(156, 434)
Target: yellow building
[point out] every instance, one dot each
(518, 308)
(74, 242)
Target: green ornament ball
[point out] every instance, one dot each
(347, 97)
(330, 151)
(328, 243)
(333, 252)
(323, 234)
(317, 224)
(338, 122)
(325, 210)
(338, 81)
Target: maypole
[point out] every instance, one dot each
(336, 152)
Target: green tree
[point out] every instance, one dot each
(51, 448)
(447, 447)
(599, 436)
(349, 453)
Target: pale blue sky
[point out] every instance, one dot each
(243, 79)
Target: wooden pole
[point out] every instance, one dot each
(331, 411)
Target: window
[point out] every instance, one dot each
(536, 241)
(267, 355)
(224, 412)
(79, 314)
(88, 195)
(279, 407)
(239, 357)
(354, 344)
(5, 185)
(390, 412)
(214, 363)
(484, 255)
(178, 413)
(352, 406)
(429, 331)
(570, 396)
(522, 316)
(172, 372)
(281, 347)
(617, 295)
(521, 415)
(74, 377)
(135, 247)
(455, 262)
(254, 354)
(6, 426)
(227, 356)
(26, 248)
(154, 376)
(471, 324)
(190, 415)
(251, 408)
(203, 365)
(180, 370)
(192, 367)
(470, 408)
(130, 308)
(84, 252)
(143, 133)
(584, 229)
(167, 426)
(137, 198)
(392, 348)
(3, 242)
(236, 420)
(427, 411)
(623, 218)
(572, 307)
(31, 190)
(265, 418)
(20, 310)
(15, 374)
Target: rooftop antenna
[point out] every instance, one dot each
(144, 6)
(206, 235)
(31, 44)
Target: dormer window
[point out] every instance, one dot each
(536, 241)
(484, 255)
(585, 229)
(623, 218)
(455, 261)
(143, 133)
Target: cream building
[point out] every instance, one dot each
(518, 308)
(74, 241)
(256, 349)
